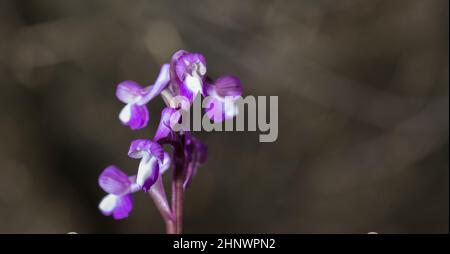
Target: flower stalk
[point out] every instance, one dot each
(178, 193)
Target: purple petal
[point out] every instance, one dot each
(222, 95)
(143, 147)
(134, 116)
(178, 67)
(168, 116)
(148, 172)
(156, 150)
(185, 60)
(220, 108)
(228, 86)
(129, 91)
(114, 181)
(138, 148)
(187, 72)
(160, 84)
(124, 204)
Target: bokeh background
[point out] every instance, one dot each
(363, 113)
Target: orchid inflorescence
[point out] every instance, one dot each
(184, 76)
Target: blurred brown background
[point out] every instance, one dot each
(363, 113)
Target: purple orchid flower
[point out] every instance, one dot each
(119, 187)
(223, 94)
(187, 73)
(135, 112)
(154, 161)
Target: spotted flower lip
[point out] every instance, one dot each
(223, 93)
(119, 187)
(187, 73)
(153, 161)
(135, 113)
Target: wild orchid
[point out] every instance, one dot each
(135, 113)
(184, 76)
(119, 187)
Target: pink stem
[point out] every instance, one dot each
(179, 203)
(178, 189)
(158, 194)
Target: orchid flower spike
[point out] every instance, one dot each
(184, 76)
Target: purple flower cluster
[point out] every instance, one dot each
(184, 76)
